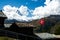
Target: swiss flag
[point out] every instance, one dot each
(42, 22)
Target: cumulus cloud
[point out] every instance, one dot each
(51, 8)
(23, 10)
(9, 11)
(21, 13)
(12, 13)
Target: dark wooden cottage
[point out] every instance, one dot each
(2, 18)
(24, 30)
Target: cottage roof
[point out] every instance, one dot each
(2, 14)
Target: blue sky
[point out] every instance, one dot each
(29, 9)
(31, 4)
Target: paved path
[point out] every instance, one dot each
(57, 36)
(47, 35)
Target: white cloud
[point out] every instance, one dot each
(51, 8)
(23, 10)
(12, 13)
(47, 2)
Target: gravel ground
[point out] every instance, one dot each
(45, 35)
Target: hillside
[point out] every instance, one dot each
(53, 24)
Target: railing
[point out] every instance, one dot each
(17, 35)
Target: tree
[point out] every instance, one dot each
(56, 29)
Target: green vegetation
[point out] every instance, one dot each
(56, 29)
(6, 38)
(52, 25)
